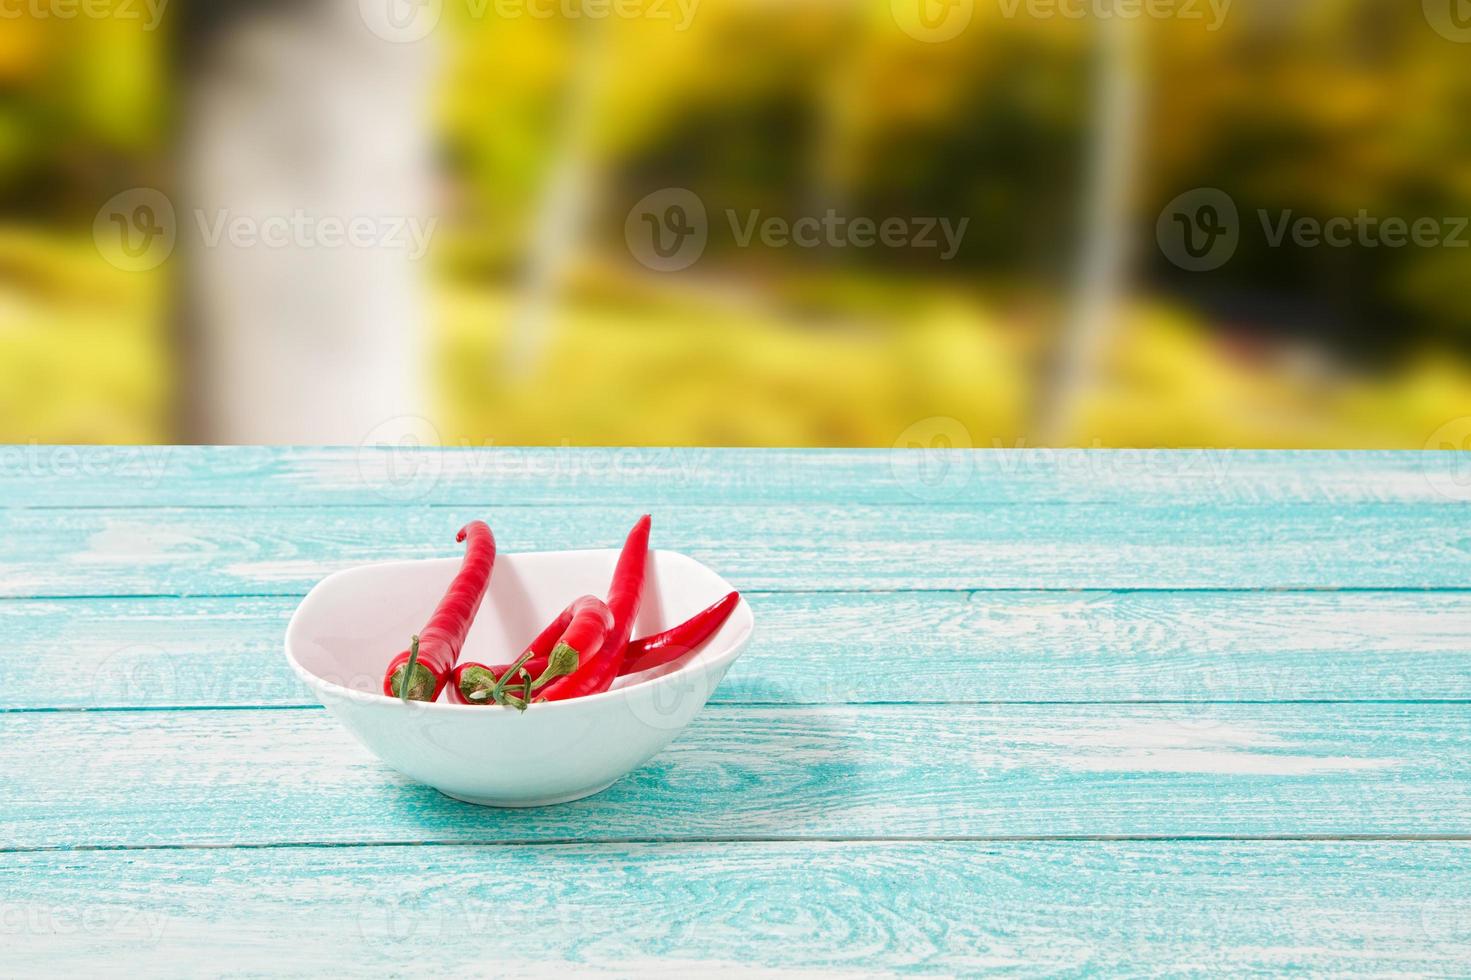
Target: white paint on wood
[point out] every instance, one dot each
(688, 909)
(746, 772)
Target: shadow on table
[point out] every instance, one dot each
(736, 772)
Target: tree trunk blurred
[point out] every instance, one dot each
(296, 108)
(1103, 260)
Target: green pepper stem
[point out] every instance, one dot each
(563, 661)
(405, 679)
(498, 692)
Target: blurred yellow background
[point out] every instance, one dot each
(1065, 315)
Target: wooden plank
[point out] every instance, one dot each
(110, 476)
(1111, 908)
(269, 777)
(777, 548)
(825, 648)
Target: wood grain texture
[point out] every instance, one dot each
(912, 771)
(778, 548)
(259, 476)
(923, 763)
(911, 646)
(1109, 908)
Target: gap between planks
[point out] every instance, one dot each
(967, 592)
(683, 841)
(801, 706)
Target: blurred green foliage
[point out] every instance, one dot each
(84, 347)
(1324, 108)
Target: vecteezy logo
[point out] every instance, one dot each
(671, 704)
(935, 465)
(399, 458)
(1446, 921)
(1199, 230)
(393, 921)
(401, 21)
(1450, 18)
(932, 21)
(1447, 459)
(135, 230)
(142, 674)
(668, 229)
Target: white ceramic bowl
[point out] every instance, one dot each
(352, 623)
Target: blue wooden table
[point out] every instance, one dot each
(1030, 711)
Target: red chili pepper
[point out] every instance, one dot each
(588, 622)
(624, 596)
(540, 650)
(670, 645)
(431, 657)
